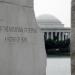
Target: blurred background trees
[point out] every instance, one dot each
(56, 47)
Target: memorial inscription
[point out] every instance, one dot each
(16, 29)
(15, 39)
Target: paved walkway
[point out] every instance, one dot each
(58, 66)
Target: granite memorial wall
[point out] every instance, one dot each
(22, 49)
(73, 37)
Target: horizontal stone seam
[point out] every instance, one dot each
(16, 4)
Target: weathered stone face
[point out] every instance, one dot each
(22, 49)
(19, 2)
(73, 37)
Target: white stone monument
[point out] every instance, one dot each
(22, 49)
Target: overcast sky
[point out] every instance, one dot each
(58, 8)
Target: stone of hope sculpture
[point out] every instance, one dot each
(22, 49)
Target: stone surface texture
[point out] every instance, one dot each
(19, 2)
(73, 38)
(22, 49)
